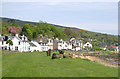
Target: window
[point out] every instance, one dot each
(77, 44)
(50, 41)
(2, 42)
(16, 47)
(5, 47)
(40, 36)
(19, 43)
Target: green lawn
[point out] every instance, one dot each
(0, 64)
(40, 65)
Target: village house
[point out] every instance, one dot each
(88, 44)
(19, 43)
(61, 44)
(39, 46)
(57, 44)
(50, 43)
(33, 47)
(76, 44)
(117, 49)
(45, 43)
(68, 43)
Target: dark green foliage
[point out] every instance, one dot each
(10, 43)
(34, 34)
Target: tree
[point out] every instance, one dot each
(67, 31)
(11, 20)
(14, 30)
(10, 43)
(34, 34)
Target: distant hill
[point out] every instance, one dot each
(18, 22)
(21, 23)
(81, 34)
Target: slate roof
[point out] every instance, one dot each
(5, 38)
(58, 41)
(33, 45)
(43, 39)
(1, 38)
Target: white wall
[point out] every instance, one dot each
(87, 44)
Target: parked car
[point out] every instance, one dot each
(92, 49)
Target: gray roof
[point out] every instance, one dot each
(59, 41)
(3, 38)
(33, 45)
(43, 39)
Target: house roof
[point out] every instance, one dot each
(33, 45)
(42, 39)
(5, 38)
(1, 38)
(113, 46)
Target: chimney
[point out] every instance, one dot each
(16, 35)
(23, 37)
(57, 39)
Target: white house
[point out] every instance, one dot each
(19, 43)
(62, 44)
(117, 49)
(44, 46)
(88, 44)
(38, 46)
(34, 46)
(76, 44)
(66, 44)
(50, 43)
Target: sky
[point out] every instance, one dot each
(93, 16)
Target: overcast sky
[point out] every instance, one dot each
(93, 16)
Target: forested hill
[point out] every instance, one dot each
(33, 29)
(21, 23)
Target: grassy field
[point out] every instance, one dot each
(40, 65)
(0, 64)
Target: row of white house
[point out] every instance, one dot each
(21, 43)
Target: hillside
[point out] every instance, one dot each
(59, 31)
